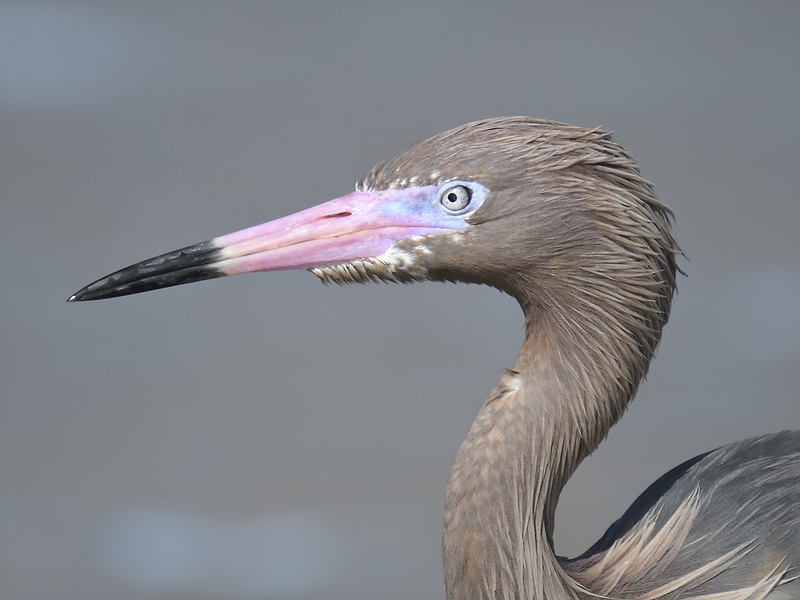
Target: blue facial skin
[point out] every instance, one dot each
(425, 204)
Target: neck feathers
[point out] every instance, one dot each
(543, 419)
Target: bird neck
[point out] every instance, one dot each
(570, 384)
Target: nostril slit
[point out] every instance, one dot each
(337, 215)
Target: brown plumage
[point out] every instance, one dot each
(572, 230)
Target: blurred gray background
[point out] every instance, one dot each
(267, 437)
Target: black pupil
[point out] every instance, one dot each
(452, 197)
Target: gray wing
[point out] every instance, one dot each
(726, 522)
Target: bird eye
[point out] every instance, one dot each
(456, 198)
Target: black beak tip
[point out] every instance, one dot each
(103, 288)
(193, 263)
(95, 291)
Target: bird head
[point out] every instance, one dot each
(512, 202)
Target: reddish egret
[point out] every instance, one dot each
(561, 219)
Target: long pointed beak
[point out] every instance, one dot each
(360, 225)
